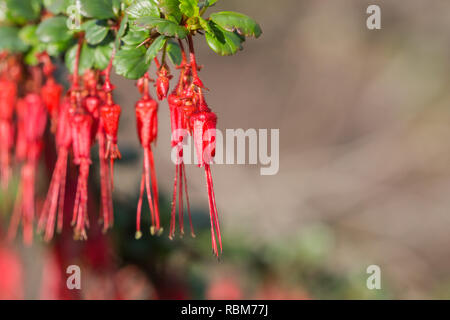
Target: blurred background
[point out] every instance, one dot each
(364, 175)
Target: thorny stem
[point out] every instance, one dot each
(144, 42)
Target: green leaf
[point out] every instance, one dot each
(204, 24)
(143, 8)
(123, 27)
(174, 52)
(208, 3)
(53, 30)
(130, 62)
(133, 38)
(117, 5)
(165, 27)
(23, 10)
(57, 48)
(96, 31)
(102, 55)
(57, 6)
(28, 35)
(98, 9)
(223, 42)
(86, 58)
(121, 32)
(171, 9)
(234, 21)
(189, 8)
(9, 40)
(154, 48)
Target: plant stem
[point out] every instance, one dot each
(183, 53)
(76, 82)
(109, 68)
(163, 59)
(158, 65)
(192, 57)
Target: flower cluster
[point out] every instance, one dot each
(126, 35)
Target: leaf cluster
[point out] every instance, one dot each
(138, 30)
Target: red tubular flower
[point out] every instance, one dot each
(8, 95)
(81, 126)
(203, 124)
(162, 82)
(21, 142)
(51, 91)
(179, 127)
(93, 103)
(110, 117)
(32, 132)
(51, 94)
(147, 128)
(55, 197)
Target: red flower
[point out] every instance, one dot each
(32, 130)
(147, 127)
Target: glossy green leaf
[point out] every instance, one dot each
(9, 40)
(189, 8)
(204, 24)
(165, 27)
(133, 38)
(174, 52)
(143, 8)
(95, 31)
(123, 27)
(154, 48)
(223, 42)
(234, 21)
(86, 58)
(98, 9)
(23, 10)
(53, 30)
(130, 62)
(102, 55)
(57, 6)
(171, 9)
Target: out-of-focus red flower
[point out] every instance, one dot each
(132, 284)
(51, 279)
(224, 289)
(11, 275)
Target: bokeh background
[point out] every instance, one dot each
(364, 175)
